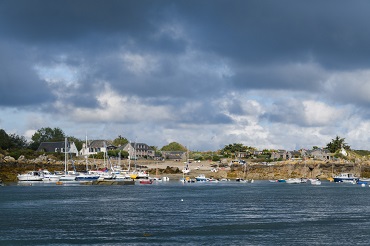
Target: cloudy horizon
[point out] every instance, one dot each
(269, 74)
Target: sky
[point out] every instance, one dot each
(285, 74)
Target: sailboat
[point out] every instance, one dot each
(186, 169)
(67, 176)
(87, 176)
(244, 180)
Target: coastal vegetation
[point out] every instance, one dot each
(16, 154)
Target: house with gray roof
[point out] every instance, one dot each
(321, 154)
(58, 147)
(136, 150)
(281, 154)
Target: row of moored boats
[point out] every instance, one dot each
(92, 175)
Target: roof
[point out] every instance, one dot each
(99, 143)
(52, 146)
(140, 146)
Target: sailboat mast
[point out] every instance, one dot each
(105, 165)
(65, 156)
(129, 156)
(87, 168)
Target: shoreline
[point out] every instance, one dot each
(256, 171)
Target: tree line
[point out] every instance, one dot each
(15, 145)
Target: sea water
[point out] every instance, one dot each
(172, 213)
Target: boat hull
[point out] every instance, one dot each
(345, 180)
(145, 181)
(31, 176)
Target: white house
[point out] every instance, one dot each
(96, 146)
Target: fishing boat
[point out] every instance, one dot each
(31, 176)
(345, 178)
(201, 178)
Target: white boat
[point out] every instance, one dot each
(50, 177)
(186, 170)
(293, 181)
(67, 176)
(315, 181)
(31, 176)
(213, 180)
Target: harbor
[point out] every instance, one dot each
(169, 213)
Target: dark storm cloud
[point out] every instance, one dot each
(260, 42)
(332, 33)
(19, 85)
(287, 77)
(66, 20)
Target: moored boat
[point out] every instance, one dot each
(241, 180)
(31, 176)
(363, 181)
(86, 177)
(293, 181)
(315, 181)
(213, 180)
(187, 180)
(201, 178)
(68, 176)
(50, 177)
(146, 181)
(345, 178)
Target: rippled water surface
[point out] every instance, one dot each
(171, 213)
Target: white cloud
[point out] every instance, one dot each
(140, 63)
(319, 114)
(114, 107)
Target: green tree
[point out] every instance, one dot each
(120, 141)
(216, 158)
(46, 134)
(173, 147)
(337, 144)
(12, 141)
(4, 140)
(231, 149)
(18, 142)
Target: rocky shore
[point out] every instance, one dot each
(9, 168)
